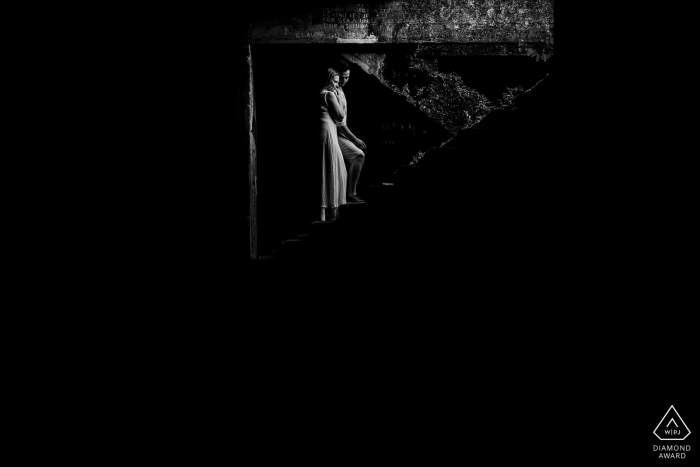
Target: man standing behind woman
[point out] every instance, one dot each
(350, 145)
(334, 174)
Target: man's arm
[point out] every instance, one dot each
(345, 132)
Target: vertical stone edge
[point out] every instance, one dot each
(251, 147)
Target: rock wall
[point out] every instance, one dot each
(441, 96)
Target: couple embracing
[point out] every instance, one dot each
(339, 146)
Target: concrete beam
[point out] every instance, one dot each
(418, 21)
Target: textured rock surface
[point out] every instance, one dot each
(463, 50)
(441, 96)
(531, 113)
(460, 21)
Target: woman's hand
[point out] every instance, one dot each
(336, 112)
(360, 144)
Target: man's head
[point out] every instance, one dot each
(343, 70)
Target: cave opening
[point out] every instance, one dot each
(287, 79)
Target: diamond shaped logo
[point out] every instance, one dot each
(671, 427)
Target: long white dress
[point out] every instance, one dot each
(334, 176)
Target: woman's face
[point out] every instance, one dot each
(334, 83)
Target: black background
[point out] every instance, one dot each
(615, 354)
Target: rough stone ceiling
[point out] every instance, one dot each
(441, 96)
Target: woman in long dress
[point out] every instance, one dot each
(334, 176)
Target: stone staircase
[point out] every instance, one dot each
(362, 235)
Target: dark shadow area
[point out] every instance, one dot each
(500, 196)
(492, 74)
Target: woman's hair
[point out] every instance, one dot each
(329, 77)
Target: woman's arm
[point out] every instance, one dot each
(334, 107)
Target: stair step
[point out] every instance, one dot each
(293, 247)
(364, 235)
(381, 193)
